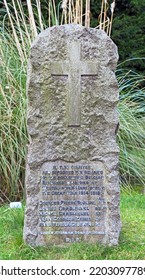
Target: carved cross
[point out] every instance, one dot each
(74, 69)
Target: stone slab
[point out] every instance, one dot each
(72, 180)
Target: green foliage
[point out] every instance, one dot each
(131, 136)
(129, 32)
(131, 244)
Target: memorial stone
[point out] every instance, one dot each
(72, 181)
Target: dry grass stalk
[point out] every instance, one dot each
(77, 12)
(5, 196)
(31, 18)
(100, 16)
(69, 13)
(87, 14)
(108, 25)
(65, 12)
(39, 14)
(105, 22)
(72, 12)
(81, 22)
(4, 96)
(80, 14)
(112, 13)
(18, 45)
(54, 8)
(20, 30)
(23, 21)
(105, 14)
(49, 18)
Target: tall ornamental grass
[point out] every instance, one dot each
(18, 29)
(27, 24)
(13, 133)
(131, 136)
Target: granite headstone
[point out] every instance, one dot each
(72, 181)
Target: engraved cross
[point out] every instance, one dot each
(74, 69)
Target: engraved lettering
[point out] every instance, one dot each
(72, 181)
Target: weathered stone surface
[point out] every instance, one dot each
(72, 183)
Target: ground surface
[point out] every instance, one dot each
(131, 244)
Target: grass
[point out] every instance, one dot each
(131, 135)
(13, 131)
(131, 244)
